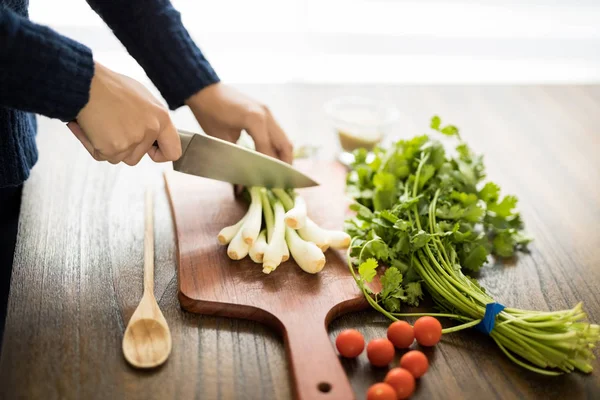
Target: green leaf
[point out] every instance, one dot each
(522, 238)
(505, 208)
(376, 248)
(362, 211)
(426, 174)
(473, 213)
(360, 156)
(450, 130)
(420, 239)
(435, 122)
(392, 304)
(504, 244)
(473, 257)
(449, 212)
(465, 198)
(414, 293)
(402, 225)
(402, 246)
(367, 269)
(490, 192)
(387, 215)
(390, 281)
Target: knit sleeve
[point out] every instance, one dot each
(153, 33)
(42, 71)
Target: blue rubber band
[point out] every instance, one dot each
(489, 318)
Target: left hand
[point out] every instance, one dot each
(223, 112)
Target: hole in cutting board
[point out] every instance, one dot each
(324, 387)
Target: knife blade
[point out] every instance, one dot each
(213, 158)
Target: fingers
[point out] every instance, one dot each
(169, 144)
(281, 143)
(257, 125)
(80, 135)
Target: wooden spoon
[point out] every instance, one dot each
(147, 339)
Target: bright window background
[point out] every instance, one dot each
(366, 41)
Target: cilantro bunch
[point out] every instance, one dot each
(426, 214)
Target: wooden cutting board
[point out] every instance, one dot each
(297, 304)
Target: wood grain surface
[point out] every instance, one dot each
(79, 261)
(296, 304)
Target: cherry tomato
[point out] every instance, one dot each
(381, 391)
(428, 331)
(415, 362)
(402, 381)
(380, 352)
(350, 343)
(401, 334)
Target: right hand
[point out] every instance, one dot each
(122, 120)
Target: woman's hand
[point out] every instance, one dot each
(122, 120)
(224, 112)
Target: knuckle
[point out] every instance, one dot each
(256, 116)
(129, 161)
(119, 146)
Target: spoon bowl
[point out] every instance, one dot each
(147, 343)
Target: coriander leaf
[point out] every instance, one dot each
(362, 211)
(375, 248)
(420, 239)
(465, 198)
(390, 281)
(360, 156)
(473, 213)
(402, 225)
(387, 215)
(504, 244)
(392, 304)
(449, 212)
(490, 192)
(435, 122)
(384, 181)
(437, 155)
(384, 199)
(505, 207)
(405, 202)
(367, 270)
(473, 257)
(522, 238)
(414, 293)
(450, 130)
(426, 174)
(402, 246)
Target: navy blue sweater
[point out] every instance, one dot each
(43, 72)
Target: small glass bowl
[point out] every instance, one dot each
(359, 123)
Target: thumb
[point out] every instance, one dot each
(169, 145)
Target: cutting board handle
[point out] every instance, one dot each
(315, 366)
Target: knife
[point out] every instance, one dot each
(213, 158)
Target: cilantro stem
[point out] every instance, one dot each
(461, 327)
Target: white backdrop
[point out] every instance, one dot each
(364, 41)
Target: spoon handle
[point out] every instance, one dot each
(149, 245)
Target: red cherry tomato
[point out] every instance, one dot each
(380, 352)
(402, 381)
(350, 343)
(381, 391)
(428, 331)
(401, 334)
(415, 362)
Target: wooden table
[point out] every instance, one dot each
(78, 266)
